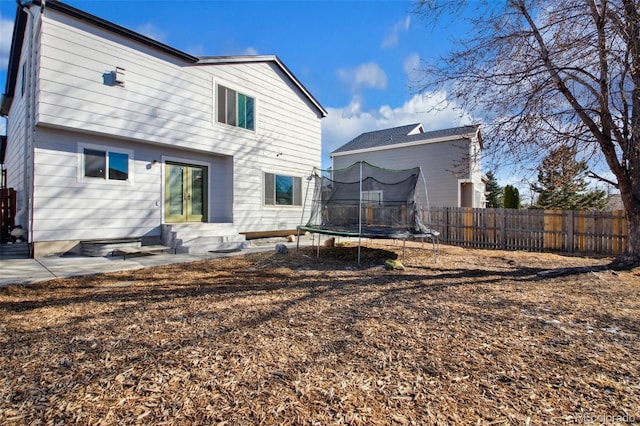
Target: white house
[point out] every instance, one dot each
(113, 135)
(449, 159)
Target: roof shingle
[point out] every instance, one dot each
(402, 134)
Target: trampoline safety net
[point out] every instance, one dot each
(367, 201)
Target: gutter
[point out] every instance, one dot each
(403, 145)
(110, 26)
(29, 122)
(244, 59)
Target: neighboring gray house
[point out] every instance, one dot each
(449, 158)
(113, 135)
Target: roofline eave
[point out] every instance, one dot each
(243, 59)
(451, 138)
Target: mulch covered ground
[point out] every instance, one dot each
(476, 338)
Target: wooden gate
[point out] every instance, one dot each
(7, 213)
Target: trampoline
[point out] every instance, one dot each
(366, 201)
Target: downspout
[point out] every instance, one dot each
(27, 182)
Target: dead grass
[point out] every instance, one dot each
(477, 338)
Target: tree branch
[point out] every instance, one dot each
(593, 175)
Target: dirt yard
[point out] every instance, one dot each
(272, 339)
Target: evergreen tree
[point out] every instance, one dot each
(562, 185)
(494, 192)
(511, 197)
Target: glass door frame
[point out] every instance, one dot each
(186, 215)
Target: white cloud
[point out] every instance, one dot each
(411, 67)
(365, 75)
(6, 34)
(150, 30)
(345, 123)
(392, 38)
(250, 51)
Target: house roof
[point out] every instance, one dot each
(19, 32)
(409, 134)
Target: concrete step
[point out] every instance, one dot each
(202, 237)
(101, 248)
(213, 247)
(14, 251)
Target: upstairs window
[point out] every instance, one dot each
(235, 108)
(105, 164)
(281, 190)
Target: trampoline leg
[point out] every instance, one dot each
(434, 242)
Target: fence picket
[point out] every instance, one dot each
(533, 230)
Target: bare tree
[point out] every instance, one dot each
(546, 73)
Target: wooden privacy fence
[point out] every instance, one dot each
(563, 231)
(7, 213)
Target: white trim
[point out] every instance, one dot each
(460, 182)
(263, 58)
(219, 82)
(81, 178)
(186, 161)
(279, 206)
(373, 197)
(419, 129)
(403, 145)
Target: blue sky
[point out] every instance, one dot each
(358, 58)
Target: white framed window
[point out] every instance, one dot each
(282, 190)
(372, 197)
(235, 108)
(104, 164)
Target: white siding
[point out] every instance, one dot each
(20, 129)
(68, 207)
(165, 108)
(442, 163)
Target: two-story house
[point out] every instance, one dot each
(449, 159)
(113, 135)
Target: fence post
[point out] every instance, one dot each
(446, 226)
(503, 229)
(570, 216)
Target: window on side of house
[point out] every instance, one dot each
(282, 190)
(372, 197)
(235, 109)
(105, 164)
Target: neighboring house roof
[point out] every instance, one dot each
(411, 134)
(18, 37)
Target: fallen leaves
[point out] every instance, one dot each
(476, 338)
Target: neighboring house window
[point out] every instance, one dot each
(281, 190)
(372, 197)
(235, 108)
(106, 164)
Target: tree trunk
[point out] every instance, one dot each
(633, 220)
